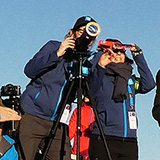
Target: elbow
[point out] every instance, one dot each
(28, 73)
(150, 86)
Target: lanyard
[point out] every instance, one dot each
(130, 82)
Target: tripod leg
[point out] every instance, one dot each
(93, 105)
(79, 104)
(54, 127)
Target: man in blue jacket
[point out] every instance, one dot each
(48, 71)
(114, 88)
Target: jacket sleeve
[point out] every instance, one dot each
(156, 107)
(43, 60)
(147, 82)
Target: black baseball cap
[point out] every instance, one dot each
(82, 21)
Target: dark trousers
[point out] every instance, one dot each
(119, 148)
(32, 133)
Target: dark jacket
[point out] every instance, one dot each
(156, 108)
(48, 78)
(114, 115)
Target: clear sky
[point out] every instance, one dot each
(25, 26)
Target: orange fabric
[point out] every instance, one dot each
(87, 118)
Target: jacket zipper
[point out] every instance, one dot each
(130, 82)
(55, 112)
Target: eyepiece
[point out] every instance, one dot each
(93, 29)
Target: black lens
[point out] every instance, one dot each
(118, 45)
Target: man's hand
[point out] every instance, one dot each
(67, 43)
(106, 58)
(136, 50)
(8, 114)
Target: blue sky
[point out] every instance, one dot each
(27, 25)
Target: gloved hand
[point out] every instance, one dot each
(136, 50)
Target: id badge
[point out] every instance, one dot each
(132, 120)
(65, 114)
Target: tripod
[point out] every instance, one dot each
(80, 79)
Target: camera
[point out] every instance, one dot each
(13, 92)
(92, 30)
(10, 90)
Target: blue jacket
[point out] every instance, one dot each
(48, 78)
(114, 116)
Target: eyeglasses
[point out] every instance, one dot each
(118, 50)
